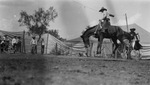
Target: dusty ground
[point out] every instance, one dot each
(24, 69)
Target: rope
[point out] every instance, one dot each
(93, 8)
(85, 6)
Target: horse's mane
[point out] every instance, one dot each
(89, 28)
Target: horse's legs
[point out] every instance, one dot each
(87, 51)
(100, 41)
(116, 45)
(98, 48)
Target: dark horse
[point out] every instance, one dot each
(113, 32)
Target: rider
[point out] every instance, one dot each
(105, 17)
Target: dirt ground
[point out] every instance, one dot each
(22, 69)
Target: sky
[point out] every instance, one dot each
(75, 15)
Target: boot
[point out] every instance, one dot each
(96, 30)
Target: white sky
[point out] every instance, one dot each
(75, 15)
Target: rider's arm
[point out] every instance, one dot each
(111, 15)
(137, 36)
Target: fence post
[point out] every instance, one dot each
(56, 49)
(23, 43)
(47, 43)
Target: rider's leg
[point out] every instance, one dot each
(99, 26)
(96, 29)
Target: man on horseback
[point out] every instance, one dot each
(105, 19)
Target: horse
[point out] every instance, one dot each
(113, 32)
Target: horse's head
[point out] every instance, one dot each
(85, 41)
(86, 34)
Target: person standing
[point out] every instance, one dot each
(3, 44)
(33, 44)
(42, 46)
(0, 44)
(133, 36)
(14, 43)
(6, 42)
(19, 44)
(135, 39)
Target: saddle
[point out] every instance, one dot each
(105, 26)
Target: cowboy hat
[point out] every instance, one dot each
(132, 29)
(102, 9)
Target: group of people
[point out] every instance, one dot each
(14, 44)
(7, 44)
(33, 44)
